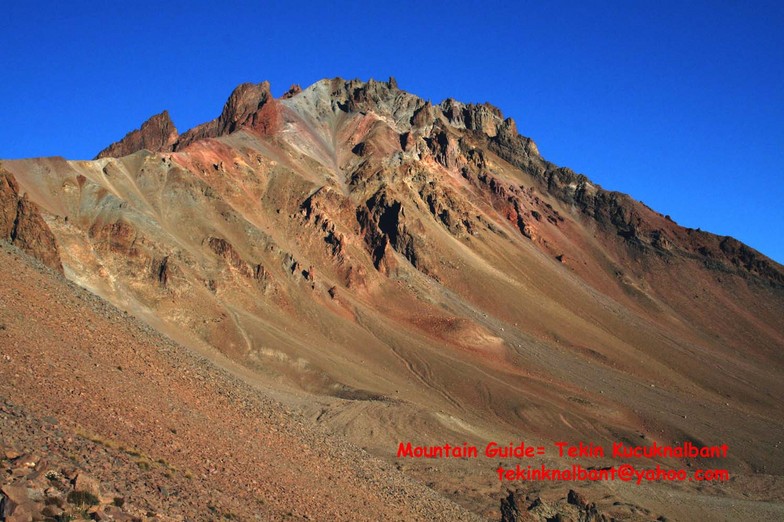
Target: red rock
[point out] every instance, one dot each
(16, 494)
(11, 454)
(239, 110)
(293, 91)
(86, 484)
(23, 513)
(21, 223)
(158, 134)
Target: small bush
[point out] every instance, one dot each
(83, 498)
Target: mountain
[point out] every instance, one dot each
(395, 270)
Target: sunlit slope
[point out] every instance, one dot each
(423, 270)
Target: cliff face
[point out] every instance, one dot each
(420, 268)
(22, 225)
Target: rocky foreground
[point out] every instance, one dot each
(104, 418)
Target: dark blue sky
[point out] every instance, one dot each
(680, 104)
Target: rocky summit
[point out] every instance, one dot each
(301, 284)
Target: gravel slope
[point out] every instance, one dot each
(166, 430)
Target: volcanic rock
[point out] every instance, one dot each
(158, 134)
(21, 223)
(244, 104)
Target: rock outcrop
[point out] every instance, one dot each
(518, 506)
(437, 128)
(22, 225)
(158, 134)
(242, 108)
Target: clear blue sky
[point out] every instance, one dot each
(680, 104)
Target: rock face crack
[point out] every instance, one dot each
(163, 271)
(382, 221)
(15, 228)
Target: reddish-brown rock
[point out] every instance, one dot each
(157, 134)
(240, 108)
(21, 224)
(86, 484)
(293, 91)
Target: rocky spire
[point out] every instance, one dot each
(245, 101)
(156, 134)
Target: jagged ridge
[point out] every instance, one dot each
(245, 108)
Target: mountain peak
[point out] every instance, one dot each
(244, 107)
(156, 134)
(245, 101)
